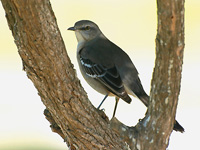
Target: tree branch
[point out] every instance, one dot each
(46, 63)
(165, 86)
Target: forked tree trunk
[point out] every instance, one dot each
(71, 114)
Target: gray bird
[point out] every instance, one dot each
(106, 67)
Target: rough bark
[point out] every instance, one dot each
(46, 63)
(69, 111)
(165, 86)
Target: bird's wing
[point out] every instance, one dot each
(106, 74)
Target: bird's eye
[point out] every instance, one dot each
(87, 28)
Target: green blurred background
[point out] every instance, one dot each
(131, 24)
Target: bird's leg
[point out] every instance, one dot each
(102, 101)
(117, 100)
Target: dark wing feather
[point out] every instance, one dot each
(109, 77)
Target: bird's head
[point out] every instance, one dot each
(85, 30)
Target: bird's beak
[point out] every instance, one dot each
(71, 28)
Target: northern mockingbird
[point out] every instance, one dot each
(106, 67)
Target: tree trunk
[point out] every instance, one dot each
(165, 86)
(69, 111)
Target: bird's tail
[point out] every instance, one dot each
(144, 98)
(178, 127)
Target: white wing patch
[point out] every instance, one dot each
(90, 71)
(84, 64)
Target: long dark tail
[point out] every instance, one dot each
(178, 127)
(145, 99)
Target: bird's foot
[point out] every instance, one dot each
(103, 115)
